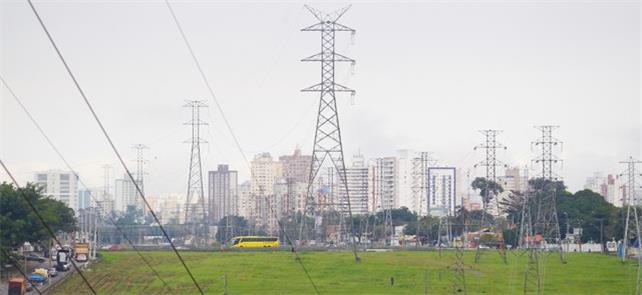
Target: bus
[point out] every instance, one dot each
(255, 242)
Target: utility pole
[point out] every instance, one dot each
(195, 192)
(491, 163)
(327, 139)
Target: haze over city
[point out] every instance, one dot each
(428, 76)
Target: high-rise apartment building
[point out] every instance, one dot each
(62, 185)
(223, 193)
(442, 183)
(405, 179)
(357, 180)
(126, 195)
(383, 177)
(245, 200)
(296, 167)
(265, 173)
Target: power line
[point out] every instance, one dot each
(64, 160)
(44, 223)
(205, 80)
(104, 131)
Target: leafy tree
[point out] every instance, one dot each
(487, 189)
(584, 209)
(19, 224)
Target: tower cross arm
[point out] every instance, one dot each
(336, 57)
(322, 26)
(320, 87)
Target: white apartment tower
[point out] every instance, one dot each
(442, 183)
(265, 174)
(383, 176)
(62, 185)
(357, 180)
(125, 195)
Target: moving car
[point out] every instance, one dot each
(255, 242)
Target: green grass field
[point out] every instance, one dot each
(337, 273)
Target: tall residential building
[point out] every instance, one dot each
(245, 200)
(357, 180)
(223, 193)
(296, 167)
(383, 176)
(442, 183)
(405, 179)
(85, 198)
(514, 179)
(265, 173)
(62, 185)
(125, 195)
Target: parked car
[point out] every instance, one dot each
(53, 272)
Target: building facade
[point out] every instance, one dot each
(222, 193)
(62, 185)
(296, 167)
(357, 180)
(383, 177)
(442, 183)
(126, 195)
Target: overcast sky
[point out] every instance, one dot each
(429, 75)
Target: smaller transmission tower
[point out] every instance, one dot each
(106, 201)
(459, 275)
(195, 213)
(547, 159)
(491, 163)
(630, 201)
(140, 171)
(420, 166)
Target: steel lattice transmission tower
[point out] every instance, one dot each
(547, 159)
(140, 171)
(195, 212)
(491, 163)
(327, 138)
(630, 200)
(491, 146)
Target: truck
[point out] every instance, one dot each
(81, 251)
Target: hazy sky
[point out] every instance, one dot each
(428, 76)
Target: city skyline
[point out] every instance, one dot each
(441, 101)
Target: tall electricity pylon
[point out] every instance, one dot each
(491, 163)
(327, 138)
(140, 170)
(195, 190)
(547, 159)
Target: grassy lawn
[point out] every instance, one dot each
(336, 273)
